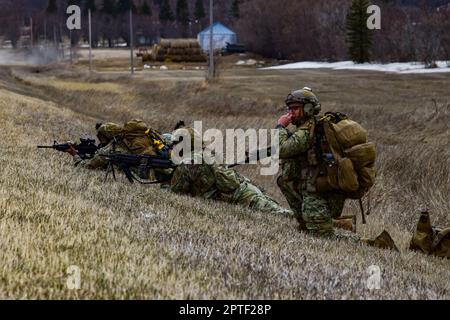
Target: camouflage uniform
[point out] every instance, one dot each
(219, 183)
(130, 139)
(107, 134)
(98, 161)
(300, 168)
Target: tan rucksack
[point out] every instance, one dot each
(349, 156)
(141, 139)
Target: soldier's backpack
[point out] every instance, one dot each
(348, 155)
(141, 139)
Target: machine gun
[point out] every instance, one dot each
(86, 148)
(143, 163)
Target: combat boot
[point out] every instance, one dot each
(345, 224)
(423, 237)
(441, 244)
(383, 241)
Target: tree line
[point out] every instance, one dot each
(333, 30)
(152, 19)
(325, 30)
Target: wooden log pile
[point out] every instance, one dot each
(176, 50)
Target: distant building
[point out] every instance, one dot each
(221, 36)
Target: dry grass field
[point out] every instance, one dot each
(134, 241)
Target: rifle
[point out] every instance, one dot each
(86, 148)
(146, 162)
(258, 154)
(143, 162)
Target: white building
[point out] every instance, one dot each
(221, 36)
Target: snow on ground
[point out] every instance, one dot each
(400, 67)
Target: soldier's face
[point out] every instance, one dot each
(296, 112)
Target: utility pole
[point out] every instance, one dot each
(45, 33)
(31, 31)
(55, 43)
(90, 41)
(70, 47)
(131, 43)
(211, 40)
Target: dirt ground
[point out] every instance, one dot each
(132, 241)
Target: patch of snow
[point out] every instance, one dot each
(248, 62)
(163, 68)
(400, 67)
(146, 66)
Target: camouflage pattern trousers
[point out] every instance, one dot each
(250, 195)
(315, 211)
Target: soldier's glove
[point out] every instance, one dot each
(71, 150)
(285, 120)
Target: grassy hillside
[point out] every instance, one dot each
(133, 241)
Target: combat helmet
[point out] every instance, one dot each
(107, 131)
(305, 96)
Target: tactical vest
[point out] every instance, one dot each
(304, 169)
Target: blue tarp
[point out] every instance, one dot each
(221, 35)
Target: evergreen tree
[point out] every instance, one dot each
(359, 37)
(90, 4)
(74, 2)
(234, 11)
(145, 9)
(182, 12)
(199, 12)
(165, 11)
(109, 7)
(52, 7)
